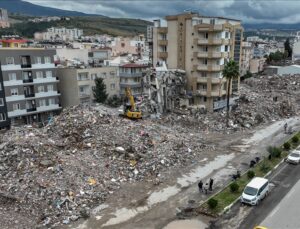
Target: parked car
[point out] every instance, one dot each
(255, 191)
(294, 157)
(260, 227)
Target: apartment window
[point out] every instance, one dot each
(204, 61)
(49, 74)
(104, 74)
(42, 102)
(12, 76)
(10, 60)
(39, 75)
(1, 102)
(226, 34)
(41, 89)
(94, 76)
(38, 60)
(204, 98)
(212, 21)
(14, 91)
(205, 35)
(205, 49)
(226, 48)
(50, 87)
(82, 76)
(112, 86)
(51, 101)
(0, 86)
(2, 117)
(16, 106)
(47, 59)
(203, 74)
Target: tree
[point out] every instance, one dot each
(287, 47)
(99, 91)
(230, 72)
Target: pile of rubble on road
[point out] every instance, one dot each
(261, 100)
(56, 174)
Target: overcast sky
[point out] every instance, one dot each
(249, 11)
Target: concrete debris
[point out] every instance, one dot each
(261, 100)
(58, 173)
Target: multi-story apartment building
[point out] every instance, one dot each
(4, 23)
(30, 84)
(4, 120)
(76, 84)
(122, 45)
(201, 46)
(131, 75)
(247, 55)
(55, 33)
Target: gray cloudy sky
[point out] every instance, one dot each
(249, 11)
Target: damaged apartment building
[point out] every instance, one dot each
(200, 46)
(29, 85)
(164, 89)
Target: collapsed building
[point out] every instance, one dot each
(164, 89)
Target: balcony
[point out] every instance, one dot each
(130, 74)
(84, 95)
(27, 65)
(202, 41)
(217, 80)
(162, 42)
(29, 80)
(200, 92)
(209, 27)
(216, 67)
(130, 84)
(163, 55)
(201, 54)
(29, 95)
(31, 109)
(201, 79)
(162, 30)
(202, 67)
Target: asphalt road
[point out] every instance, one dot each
(286, 214)
(281, 207)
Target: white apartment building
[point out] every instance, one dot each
(60, 33)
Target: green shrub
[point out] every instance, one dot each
(295, 139)
(274, 151)
(234, 187)
(250, 174)
(264, 167)
(287, 146)
(212, 203)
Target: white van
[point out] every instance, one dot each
(256, 190)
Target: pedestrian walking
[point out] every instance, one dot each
(211, 182)
(285, 127)
(200, 186)
(205, 188)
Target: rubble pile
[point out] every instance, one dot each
(58, 173)
(261, 100)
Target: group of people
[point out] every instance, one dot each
(206, 187)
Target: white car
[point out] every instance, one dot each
(294, 157)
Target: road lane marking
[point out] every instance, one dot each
(290, 193)
(274, 211)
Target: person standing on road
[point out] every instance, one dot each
(211, 182)
(285, 127)
(205, 188)
(200, 186)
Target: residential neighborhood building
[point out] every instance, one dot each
(65, 55)
(30, 84)
(76, 84)
(59, 33)
(131, 75)
(98, 56)
(122, 45)
(4, 120)
(257, 65)
(4, 22)
(13, 42)
(247, 55)
(201, 46)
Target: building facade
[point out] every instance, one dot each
(30, 84)
(201, 46)
(4, 23)
(122, 45)
(4, 120)
(247, 55)
(76, 85)
(131, 75)
(60, 33)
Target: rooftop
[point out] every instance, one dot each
(134, 65)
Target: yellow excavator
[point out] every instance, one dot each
(130, 110)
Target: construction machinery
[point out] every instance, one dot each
(130, 109)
